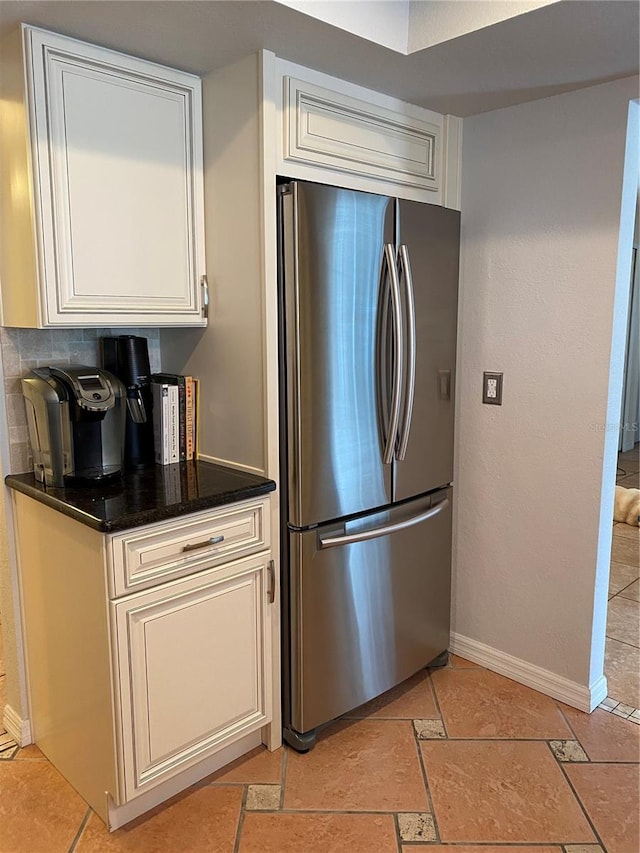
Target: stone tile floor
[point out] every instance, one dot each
(456, 760)
(622, 649)
(460, 756)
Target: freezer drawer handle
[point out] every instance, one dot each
(215, 540)
(363, 535)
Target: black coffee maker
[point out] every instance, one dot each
(127, 357)
(76, 418)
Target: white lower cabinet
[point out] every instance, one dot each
(137, 693)
(194, 663)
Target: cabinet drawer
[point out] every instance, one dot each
(150, 555)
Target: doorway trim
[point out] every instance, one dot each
(629, 198)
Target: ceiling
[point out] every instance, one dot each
(408, 26)
(552, 49)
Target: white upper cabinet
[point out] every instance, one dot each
(108, 149)
(336, 132)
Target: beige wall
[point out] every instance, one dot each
(12, 647)
(228, 357)
(540, 224)
(14, 694)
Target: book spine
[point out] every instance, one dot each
(173, 425)
(196, 417)
(182, 417)
(179, 381)
(189, 412)
(160, 396)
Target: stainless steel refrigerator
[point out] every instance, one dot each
(368, 311)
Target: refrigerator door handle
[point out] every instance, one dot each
(405, 276)
(385, 530)
(398, 339)
(383, 394)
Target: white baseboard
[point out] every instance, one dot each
(19, 729)
(543, 680)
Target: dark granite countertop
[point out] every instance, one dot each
(157, 493)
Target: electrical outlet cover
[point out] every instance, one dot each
(492, 388)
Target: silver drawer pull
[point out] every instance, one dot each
(271, 592)
(215, 540)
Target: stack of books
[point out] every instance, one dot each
(175, 417)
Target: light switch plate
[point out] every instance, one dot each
(492, 388)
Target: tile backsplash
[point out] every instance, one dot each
(24, 349)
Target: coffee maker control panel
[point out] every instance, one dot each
(93, 390)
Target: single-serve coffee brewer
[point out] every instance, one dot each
(75, 416)
(127, 357)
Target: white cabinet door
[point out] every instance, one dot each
(335, 132)
(116, 148)
(194, 660)
(328, 128)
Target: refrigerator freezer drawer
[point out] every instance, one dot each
(366, 615)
